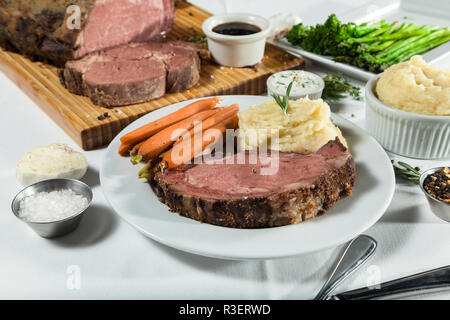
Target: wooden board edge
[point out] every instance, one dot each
(43, 104)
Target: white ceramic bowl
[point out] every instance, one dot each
(236, 51)
(297, 92)
(404, 133)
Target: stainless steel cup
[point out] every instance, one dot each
(439, 208)
(60, 227)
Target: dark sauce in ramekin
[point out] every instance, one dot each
(236, 29)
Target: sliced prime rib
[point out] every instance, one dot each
(239, 196)
(47, 30)
(133, 73)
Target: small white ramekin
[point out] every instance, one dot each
(312, 93)
(405, 133)
(236, 51)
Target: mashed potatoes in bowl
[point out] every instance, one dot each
(305, 129)
(408, 111)
(414, 86)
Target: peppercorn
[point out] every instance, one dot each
(437, 185)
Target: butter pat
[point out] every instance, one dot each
(50, 162)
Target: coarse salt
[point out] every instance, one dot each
(51, 206)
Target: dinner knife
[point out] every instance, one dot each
(425, 282)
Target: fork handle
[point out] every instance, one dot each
(430, 281)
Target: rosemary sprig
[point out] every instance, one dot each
(336, 88)
(197, 38)
(406, 171)
(284, 102)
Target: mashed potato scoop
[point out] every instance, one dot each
(305, 129)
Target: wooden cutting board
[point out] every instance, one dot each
(83, 120)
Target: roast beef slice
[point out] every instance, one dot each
(39, 28)
(133, 73)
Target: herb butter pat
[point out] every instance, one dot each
(50, 162)
(305, 84)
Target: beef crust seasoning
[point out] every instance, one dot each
(240, 197)
(42, 29)
(437, 185)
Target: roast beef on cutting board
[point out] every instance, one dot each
(238, 196)
(133, 73)
(44, 29)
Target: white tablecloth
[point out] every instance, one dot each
(107, 258)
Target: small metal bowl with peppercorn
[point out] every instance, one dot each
(435, 183)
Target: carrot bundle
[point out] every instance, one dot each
(140, 134)
(179, 153)
(221, 116)
(162, 140)
(155, 143)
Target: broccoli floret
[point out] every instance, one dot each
(297, 34)
(322, 38)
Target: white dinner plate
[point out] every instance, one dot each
(136, 203)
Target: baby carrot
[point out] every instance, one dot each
(135, 149)
(178, 155)
(152, 128)
(124, 148)
(129, 149)
(162, 140)
(223, 115)
(232, 123)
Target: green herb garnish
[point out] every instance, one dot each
(336, 87)
(197, 38)
(406, 171)
(284, 102)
